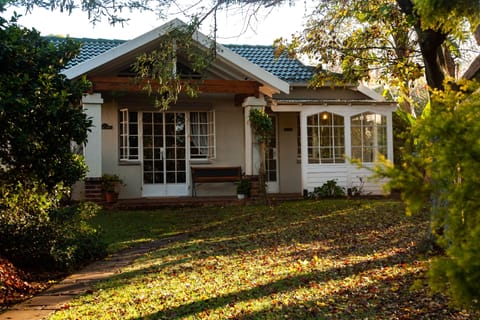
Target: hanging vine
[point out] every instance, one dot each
(262, 126)
(158, 71)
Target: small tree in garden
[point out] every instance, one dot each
(262, 127)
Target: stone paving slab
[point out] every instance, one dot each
(57, 296)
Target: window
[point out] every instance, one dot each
(326, 138)
(128, 135)
(369, 136)
(202, 135)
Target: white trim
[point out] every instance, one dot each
(92, 107)
(370, 93)
(314, 175)
(226, 55)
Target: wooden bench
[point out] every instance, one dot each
(214, 174)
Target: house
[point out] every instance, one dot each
(316, 130)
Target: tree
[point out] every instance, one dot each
(438, 171)
(359, 39)
(395, 41)
(40, 112)
(40, 118)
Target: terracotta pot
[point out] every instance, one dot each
(111, 197)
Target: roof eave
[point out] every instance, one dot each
(250, 69)
(326, 102)
(114, 53)
(228, 56)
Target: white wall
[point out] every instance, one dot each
(229, 128)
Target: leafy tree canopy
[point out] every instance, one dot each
(40, 113)
(395, 41)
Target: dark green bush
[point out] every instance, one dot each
(38, 231)
(329, 189)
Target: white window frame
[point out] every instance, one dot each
(332, 137)
(374, 129)
(206, 135)
(124, 141)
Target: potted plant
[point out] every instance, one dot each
(111, 184)
(243, 188)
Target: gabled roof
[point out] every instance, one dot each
(290, 70)
(130, 48)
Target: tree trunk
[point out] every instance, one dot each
(435, 58)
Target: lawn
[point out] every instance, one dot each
(335, 259)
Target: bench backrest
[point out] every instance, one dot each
(216, 174)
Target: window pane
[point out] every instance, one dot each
(158, 177)
(368, 136)
(181, 177)
(356, 136)
(382, 136)
(338, 120)
(368, 154)
(357, 153)
(148, 177)
(339, 155)
(312, 120)
(326, 136)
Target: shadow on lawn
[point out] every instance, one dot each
(344, 235)
(244, 237)
(300, 309)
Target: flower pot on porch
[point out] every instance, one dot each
(111, 197)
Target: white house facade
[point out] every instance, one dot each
(317, 131)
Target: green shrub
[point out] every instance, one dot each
(38, 231)
(439, 175)
(329, 189)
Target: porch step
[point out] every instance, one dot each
(183, 202)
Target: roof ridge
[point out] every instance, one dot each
(249, 45)
(83, 38)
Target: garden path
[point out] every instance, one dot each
(59, 295)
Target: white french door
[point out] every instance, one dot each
(164, 162)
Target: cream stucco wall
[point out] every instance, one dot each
(229, 127)
(289, 166)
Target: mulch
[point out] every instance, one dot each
(17, 285)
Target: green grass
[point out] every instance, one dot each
(301, 260)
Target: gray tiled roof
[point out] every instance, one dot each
(289, 70)
(90, 48)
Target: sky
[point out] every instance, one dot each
(232, 28)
